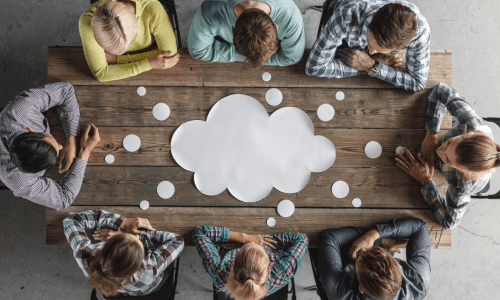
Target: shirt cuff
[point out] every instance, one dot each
(71, 128)
(429, 191)
(225, 234)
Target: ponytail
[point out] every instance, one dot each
(497, 162)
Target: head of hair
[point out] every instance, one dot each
(255, 37)
(379, 273)
(393, 26)
(109, 25)
(477, 152)
(110, 267)
(248, 275)
(30, 153)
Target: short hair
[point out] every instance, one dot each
(255, 36)
(108, 25)
(31, 153)
(477, 152)
(380, 274)
(393, 26)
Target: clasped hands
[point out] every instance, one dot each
(90, 139)
(363, 62)
(130, 225)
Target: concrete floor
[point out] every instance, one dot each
(31, 270)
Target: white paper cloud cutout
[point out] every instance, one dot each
(241, 148)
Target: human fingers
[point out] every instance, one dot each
(144, 223)
(139, 232)
(166, 53)
(403, 159)
(353, 252)
(271, 239)
(65, 164)
(422, 160)
(87, 130)
(95, 130)
(409, 155)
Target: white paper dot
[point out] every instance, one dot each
(141, 91)
(274, 97)
(131, 143)
(266, 76)
(326, 112)
(340, 96)
(340, 189)
(165, 189)
(286, 208)
(144, 204)
(161, 111)
(109, 158)
(373, 149)
(400, 150)
(356, 202)
(271, 222)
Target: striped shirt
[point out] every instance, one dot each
(449, 211)
(161, 248)
(349, 23)
(285, 260)
(27, 111)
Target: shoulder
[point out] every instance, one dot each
(215, 11)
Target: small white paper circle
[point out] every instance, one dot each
(274, 97)
(373, 149)
(340, 96)
(356, 202)
(326, 112)
(109, 158)
(165, 189)
(141, 91)
(271, 222)
(144, 204)
(266, 76)
(131, 143)
(400, 150)
(161, 111)
(340, 189)
(286, 208)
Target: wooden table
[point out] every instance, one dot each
(372, 110)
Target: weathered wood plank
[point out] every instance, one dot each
(362, 108)
(68, 64)
(376, 187)
(182, 220)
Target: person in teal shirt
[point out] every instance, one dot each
(225, 31)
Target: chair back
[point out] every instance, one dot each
(313, 255)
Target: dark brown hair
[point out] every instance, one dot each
(393, 26)
(477, 152)
(380, 274)
(30, 153)
(255, 36)
(118, 260)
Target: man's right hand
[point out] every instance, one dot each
(163, 60)
(89, 140)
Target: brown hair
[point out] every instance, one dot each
(380, 274)
(118, 260)
(393, 26)
(477, 152)
(248, 275)
(255, 37)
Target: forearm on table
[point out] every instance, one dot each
(401, 78)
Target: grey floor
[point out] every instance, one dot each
(31, 270)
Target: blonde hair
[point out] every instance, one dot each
(477, 152)
(109, 24)
(248, 275)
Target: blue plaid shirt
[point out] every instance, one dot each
(449, 211)
(292, 246)
(349, 23)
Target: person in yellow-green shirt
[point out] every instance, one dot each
(110, 29)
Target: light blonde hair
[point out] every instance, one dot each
(477, 152)
(248, 275)
(109, 24)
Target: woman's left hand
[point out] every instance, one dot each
(111, 59)
(262, 239)
(105, 234)
(421, 170)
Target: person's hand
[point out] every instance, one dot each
(393, 244)
(111, 59)
(356, 59)
(131, 225)
(68, 155)
(105, 234)
(420, 170)
(429, 146)
(89, 140)
(262, 239)
(365, 241)
(162, 60)
(394, 61)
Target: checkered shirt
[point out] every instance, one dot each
(26, 110)
(291, 248)
(161, 248)
(349, 23)
(449, 211)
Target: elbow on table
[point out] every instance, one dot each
(313, 72)
(200, 54)
(419, 85)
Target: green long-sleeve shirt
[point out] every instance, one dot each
(215, 17)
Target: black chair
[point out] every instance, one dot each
(166, 291)
(324, 14)
(313, 255)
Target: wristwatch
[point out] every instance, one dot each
(374, 70)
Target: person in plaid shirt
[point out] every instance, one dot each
(127, 261)
(359, 36)
(262, 266)
(467, 155)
